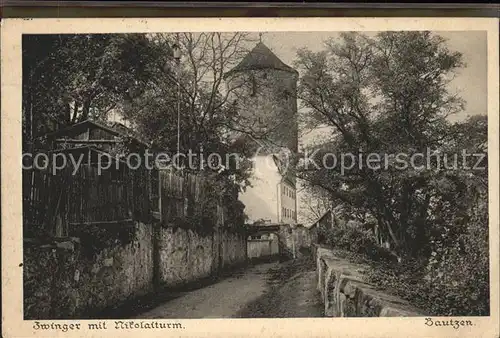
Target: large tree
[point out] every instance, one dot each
(386, 94)
(194, 88)
(69, 78)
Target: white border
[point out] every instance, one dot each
(12, 29)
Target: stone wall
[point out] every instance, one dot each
(257, 248)
(233, 247)
(185, 256)
(345, 293)
(60, 281)
(293, 238)
(303, 237)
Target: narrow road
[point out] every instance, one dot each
(264, 290)
(220, 300)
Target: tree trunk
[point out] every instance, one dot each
(75, 112)
(86, 110)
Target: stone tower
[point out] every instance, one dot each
(265, 91)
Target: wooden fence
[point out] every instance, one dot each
(184, 195)
(58, 204)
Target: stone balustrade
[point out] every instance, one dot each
(345, 293)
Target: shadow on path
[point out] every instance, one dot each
(291, 293)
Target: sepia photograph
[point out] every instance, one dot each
(256, 174)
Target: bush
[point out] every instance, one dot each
(95, 238)
(454, 281)
(459, 273)
(356, 240)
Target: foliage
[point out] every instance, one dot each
(95, 238)
(191, 92)
(217, 195)
(454, 281)
(314, 203)
(459, 263)
(389, 95)
(136, 76)
(89, 76)
(355, 240)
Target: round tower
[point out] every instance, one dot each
(265, 92)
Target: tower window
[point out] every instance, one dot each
(264, 76)
(254, 85)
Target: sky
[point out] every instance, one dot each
(470, 82)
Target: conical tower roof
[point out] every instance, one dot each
(261, 57)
